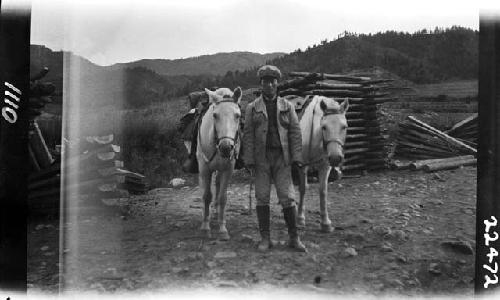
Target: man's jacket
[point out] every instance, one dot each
(255, 132)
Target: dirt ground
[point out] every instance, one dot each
(403, 232)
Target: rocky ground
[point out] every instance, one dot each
(403, 232)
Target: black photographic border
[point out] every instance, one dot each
(14, 77)
(14, 68)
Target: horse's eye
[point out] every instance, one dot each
(324, 127)
(216, 116)
(237, 116)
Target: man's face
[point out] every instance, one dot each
(269, 86)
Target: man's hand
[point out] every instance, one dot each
(297, 164)
(250, 169)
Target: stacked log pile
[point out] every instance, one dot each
(418, 140)
(96, 170)
(466, 131)
(365, 147)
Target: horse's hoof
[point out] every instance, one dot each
(301, 222)
(224, 236)
(326, 228)
(206, 234)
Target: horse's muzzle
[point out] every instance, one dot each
(226, 148)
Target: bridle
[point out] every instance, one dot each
(234, 139)
(329, 112)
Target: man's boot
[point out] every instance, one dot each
(294, 242)
(263, 216)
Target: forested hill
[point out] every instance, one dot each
(215, 64)
(421, 57)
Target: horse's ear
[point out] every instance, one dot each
(237, 93)
(322, 105)
(344, 106)
(211, 96)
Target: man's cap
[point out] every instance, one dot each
(269, 71)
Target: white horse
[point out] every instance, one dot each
(218, 145)
(324, 128)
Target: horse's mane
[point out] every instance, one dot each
(314, 109)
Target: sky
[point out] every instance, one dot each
(108, 32)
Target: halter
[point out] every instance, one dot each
(327, 112)
(335, 140)
(217, 139)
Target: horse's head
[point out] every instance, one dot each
(226, 117)
(334, 128)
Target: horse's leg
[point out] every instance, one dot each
(223, 182)
(215, 214)
(205, 184)
(301, 217)
(326, 224)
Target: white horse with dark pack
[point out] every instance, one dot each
(324, 128)
(218, 146)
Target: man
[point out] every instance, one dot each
(272, 140)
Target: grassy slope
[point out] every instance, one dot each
(458, 89)
(149, 139)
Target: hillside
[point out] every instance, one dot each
(216, 64)
(422, 57)
(139, 83)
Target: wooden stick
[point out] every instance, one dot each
(465, 122)
(409, 139)
(357, 143)
(34, 163)
(295, 83)
(356, 136)
(352, 167)
(449, 164)
(39, 147)
(399, 165)
(365, 100)
(402, 149)
(362, 107)
(356, 150)
(431, 140)
(312, 76)
(426, 147)
(349, 159)
(338, 85)
(417, 165)
(336, 93)
(376, 81)
(426, 138)
(371, 124)
(443, 135)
